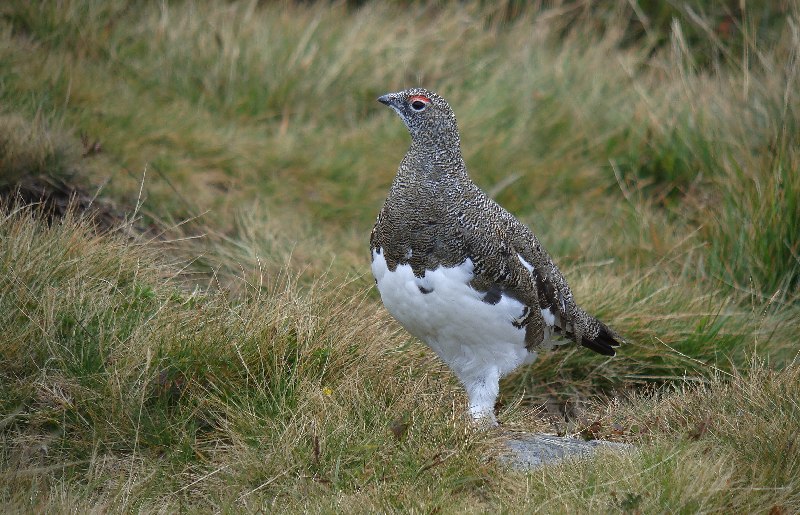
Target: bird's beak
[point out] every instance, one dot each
(386, 99)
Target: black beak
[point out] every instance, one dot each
(386, 99)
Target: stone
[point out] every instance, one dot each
(533, 450)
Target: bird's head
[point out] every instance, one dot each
(429, 118)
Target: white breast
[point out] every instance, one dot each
(468, 334)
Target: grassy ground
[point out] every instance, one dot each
(220, 346)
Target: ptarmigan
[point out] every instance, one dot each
(460, 272)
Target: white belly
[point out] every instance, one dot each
(468, 334)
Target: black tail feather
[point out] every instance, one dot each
(603, 343)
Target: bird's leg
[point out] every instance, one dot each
(482, 390)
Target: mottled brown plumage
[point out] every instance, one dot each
(434, 209)
(435, 216)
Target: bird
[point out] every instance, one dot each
(460, 272)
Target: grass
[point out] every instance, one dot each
(220, 346)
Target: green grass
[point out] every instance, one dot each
(222, 348)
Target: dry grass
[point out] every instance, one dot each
(240, 360)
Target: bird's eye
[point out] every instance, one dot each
(418, 105)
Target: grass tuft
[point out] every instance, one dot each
(219, 345)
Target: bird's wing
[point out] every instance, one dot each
(500, 269)
(555, 297)
(514, 263)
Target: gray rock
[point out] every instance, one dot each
(530, 451)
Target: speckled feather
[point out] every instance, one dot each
(434, 215)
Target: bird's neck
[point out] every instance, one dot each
(437, 160)
(439, 140)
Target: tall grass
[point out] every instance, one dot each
(29, 147)
(277, 101)
(107, 365)
(235, 356)
(121, 389)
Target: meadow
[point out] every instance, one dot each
(189, 321)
